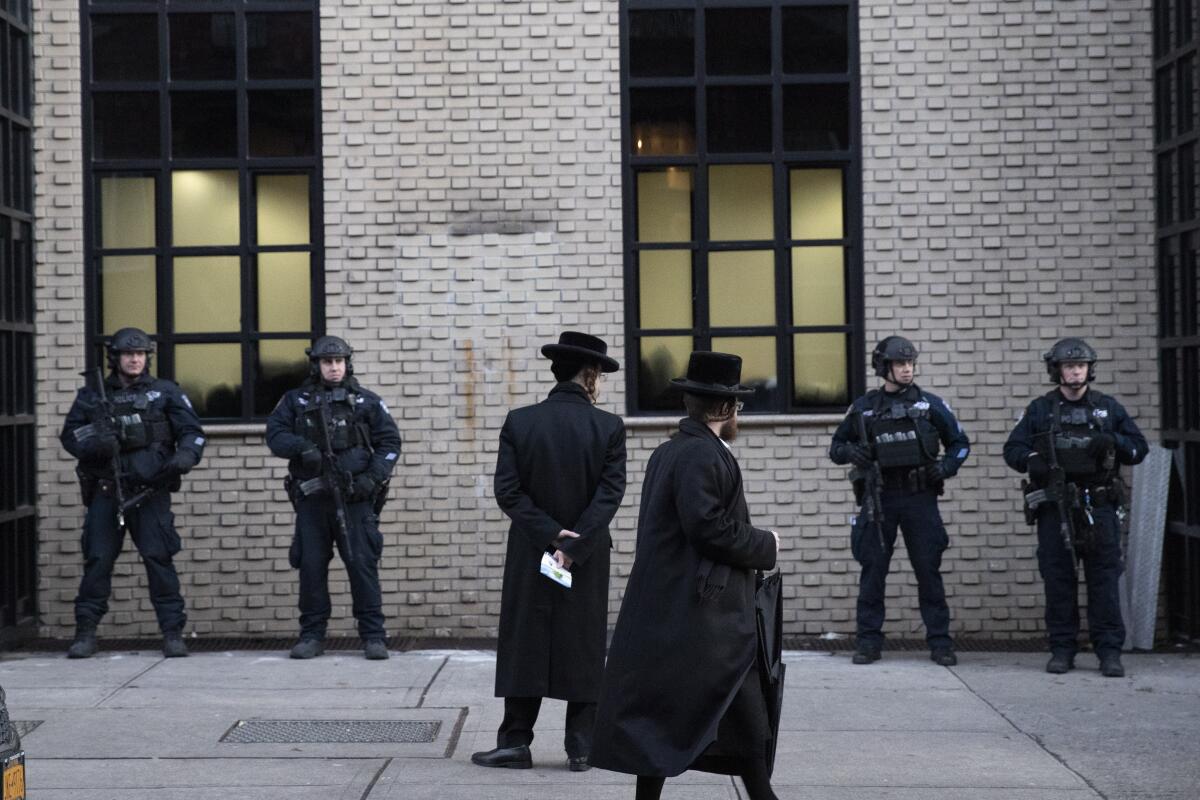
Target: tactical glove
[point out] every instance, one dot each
(101, 446)
(934, 473)
(183, 461)
(1038, 469)
(310, 460)
(858, 455)
(1100, 444)
(364, 487)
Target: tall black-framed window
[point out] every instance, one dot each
(202, 203)
(1177, 136)
(742, 197)
(18, 443)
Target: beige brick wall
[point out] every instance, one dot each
(472, 210)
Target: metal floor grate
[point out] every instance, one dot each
(332, 731)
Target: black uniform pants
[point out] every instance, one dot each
(917, 517)
(152, 528)
(312, 550)
(1102, 566)
(520, 713)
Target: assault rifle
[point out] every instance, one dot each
(109, 417)
(336, 479)
(872, 482)
(1058, 490)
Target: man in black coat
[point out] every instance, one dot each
(681, 689)
(134, 436)
(560, 477)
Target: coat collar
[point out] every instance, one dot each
(569, 392)
(691, 427)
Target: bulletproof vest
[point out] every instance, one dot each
(343, 433)
(140, 423)
(1077, 426)
(902, 433)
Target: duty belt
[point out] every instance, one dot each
(912, 480)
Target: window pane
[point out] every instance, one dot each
(211, 375)
(740, 202)
(818, 286)
(664, 205)
(665, 288)
(741, 288)
(202, 47)
(660, 359)
(281, 365)
(815, 39)
(758, 366)
(662, 43)
(282, 209)
(204, 208)
(207, 294)
(204, 124)
(738, 41)
(279, 45)
(281, 123)
(816, 196)
(816, 117)
(127, 212)
(663, 121)
(124, 47)
(820, 369)
(125, 125)
(284, 292)
(128, 293)
(739, 119)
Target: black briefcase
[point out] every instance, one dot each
(768, 612)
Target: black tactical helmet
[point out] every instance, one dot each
(892, 348)
(1070, 351)
(329, 347)
(128, 340)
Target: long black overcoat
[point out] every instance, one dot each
(678, 660)
(561, 465)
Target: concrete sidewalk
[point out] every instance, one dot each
(133, 725)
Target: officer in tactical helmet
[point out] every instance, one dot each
(1071, 442)
(134, 436)
(904, 443)
(341, 444)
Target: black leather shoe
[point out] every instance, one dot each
(173, 646)
(578, 764)
(1060, 663)
(943, 656)
(376, 650)
(84, 645)
(508, 757)
(1110, 666)
(866, 653)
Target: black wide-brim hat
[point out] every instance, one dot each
(581, 348)
(716, 374)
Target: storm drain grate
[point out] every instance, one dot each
(332, 731)
(26, 727)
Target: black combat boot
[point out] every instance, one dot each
(1110, 665)
(1060, 663)
(376, 650)
(84, 645)
(173, 646)
(308, 648)
(866, 653)
(943, 656)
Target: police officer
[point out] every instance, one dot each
(905, 428)
(134, 436)
(1086, 435)
(363, 446)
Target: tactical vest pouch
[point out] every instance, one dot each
(133, 432)
(1072, 455)
(898, 448)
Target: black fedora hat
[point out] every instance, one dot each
(715, 374)
(581, 348)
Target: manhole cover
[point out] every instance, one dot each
(332, 731)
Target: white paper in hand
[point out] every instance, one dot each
(554, 572)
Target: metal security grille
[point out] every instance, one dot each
(332, 731)
(1178, 238)
(18, 517)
